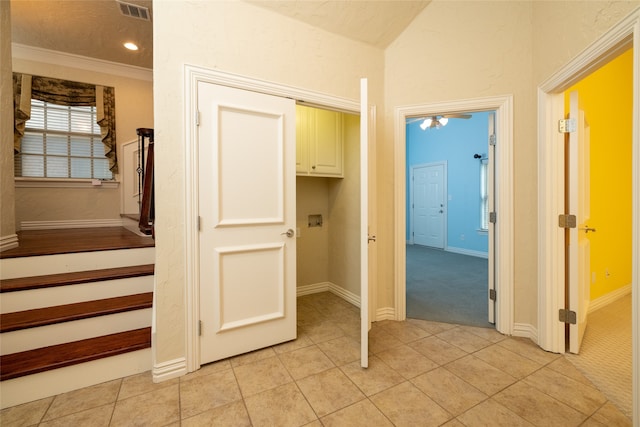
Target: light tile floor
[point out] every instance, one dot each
(420, 374)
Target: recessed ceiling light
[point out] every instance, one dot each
(131, 46)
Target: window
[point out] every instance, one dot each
(484, 195)
(62, 142)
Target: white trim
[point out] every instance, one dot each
(385, 313)
(503, 105)
(192, 75)
(168, 370)
(470, 252)
(8, 242)
(30, 53)
(24, 182)
(525, 330)
(550, 188)
(607, 299)
(314, 288)
(75, 223)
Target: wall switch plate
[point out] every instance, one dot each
(315, 220)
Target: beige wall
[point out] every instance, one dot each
(453, 50)
(134, 109)
(7, 212)
(312, 260)
(344, 212)
(461, 50)
(331, 253)
(235, 37)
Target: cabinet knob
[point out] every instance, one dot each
(313, 167)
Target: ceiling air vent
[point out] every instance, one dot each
(134, 11)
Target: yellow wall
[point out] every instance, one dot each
(606, 97)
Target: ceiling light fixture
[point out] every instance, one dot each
(437, 121)
(131, 46)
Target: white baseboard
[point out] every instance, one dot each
(315, 288)
(385, 313)
(171, 369)
(608, 298)
(525, 330)
(469, 252)
(78, 223)
(8, 242)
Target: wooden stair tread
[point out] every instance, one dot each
(58, 356)
(74, 278)
(65, 313)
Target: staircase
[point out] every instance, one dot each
(71, 320)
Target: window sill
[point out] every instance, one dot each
(22, 182)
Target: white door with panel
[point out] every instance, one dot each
(246, 197)
(428, 205)
(579, 250)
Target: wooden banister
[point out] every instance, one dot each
(147, 209)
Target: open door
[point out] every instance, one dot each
(578, 246)
(365, 238)
(247, 215)
(490, 207)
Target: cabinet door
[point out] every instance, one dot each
(302, 140)
(326, 143)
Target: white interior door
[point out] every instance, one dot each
(246, 197)
(429, 206)
(490, 193)
(365, 297)
(579, 246)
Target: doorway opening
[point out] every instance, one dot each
(551, 299)
(449, 197)
(502, 264)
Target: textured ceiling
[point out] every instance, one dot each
(94, 28)
(97, 29)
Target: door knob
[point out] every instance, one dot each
(288, 233)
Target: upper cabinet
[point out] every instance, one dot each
(319, 142)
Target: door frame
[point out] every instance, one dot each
(551, 267)
(192, 76)
(503, 192)
(444, 192)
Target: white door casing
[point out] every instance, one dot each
(246, 146)
(429, 210)
(579, 245)
(503, 201)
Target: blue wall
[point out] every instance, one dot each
(455, 143)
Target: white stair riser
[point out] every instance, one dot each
(60, 333)
(58, 295)
(11, 268)
(50, 383)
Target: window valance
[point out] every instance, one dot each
(64, 92)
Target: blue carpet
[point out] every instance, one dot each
(446, 287)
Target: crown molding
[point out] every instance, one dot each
(31, 53)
